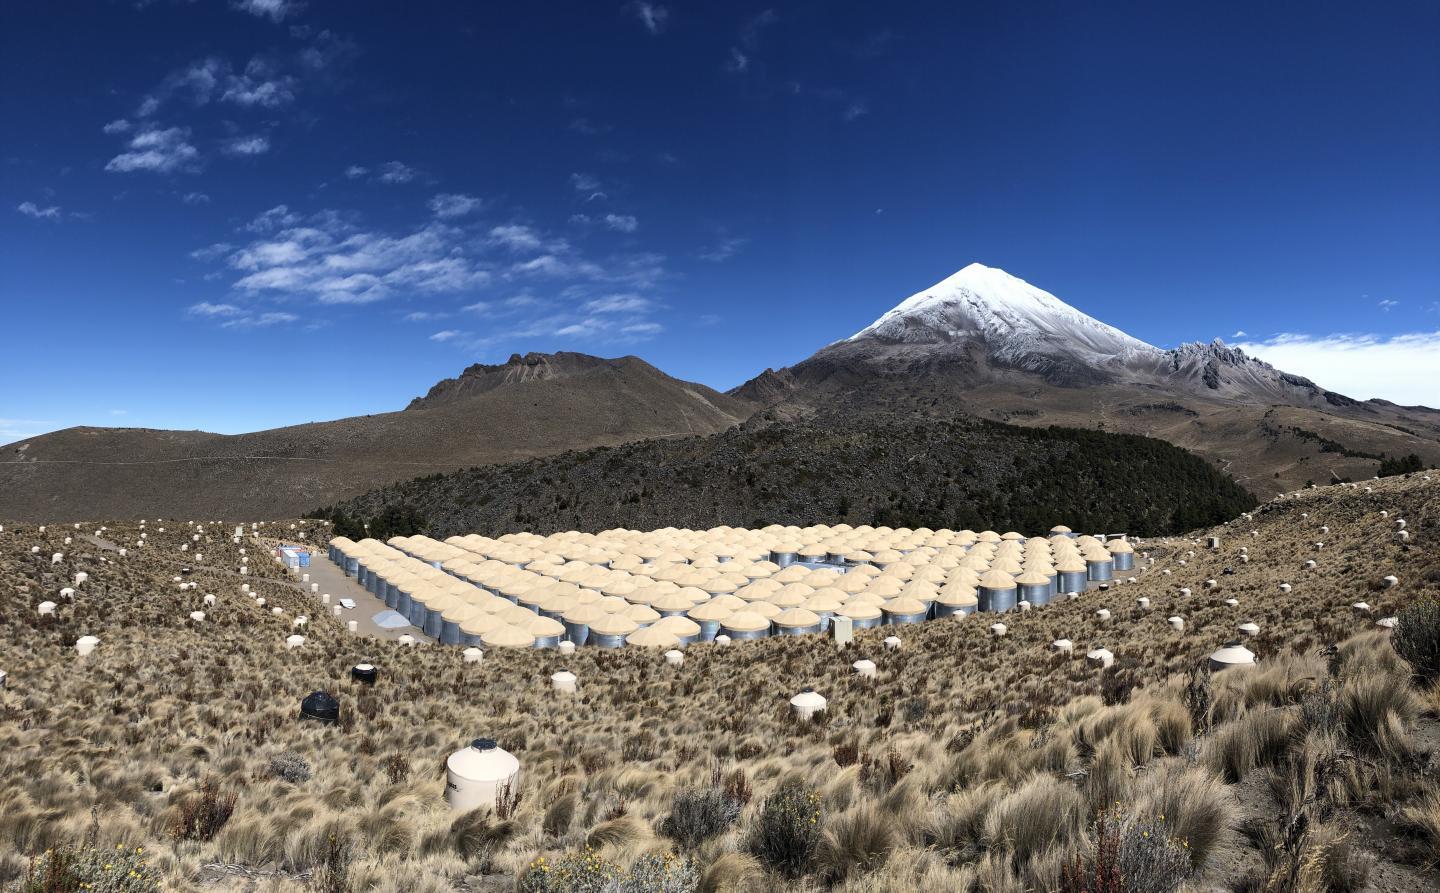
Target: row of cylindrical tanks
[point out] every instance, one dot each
(454, 604)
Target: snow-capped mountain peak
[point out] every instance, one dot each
(1004, 311)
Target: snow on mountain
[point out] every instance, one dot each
(1011, 316)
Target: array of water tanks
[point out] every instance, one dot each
(668, 588)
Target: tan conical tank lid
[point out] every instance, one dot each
(997, 580)
(904, 605)
(746, 621)
(712, 610)
(541, 627)
(859, 610)
(676, 625)
(507, 636)
(957, 596)
(652, 637)
(728, 602)
(796, 617)
(1119, 547)
(1033, 577)
(641, 614)
(584, 614)
(480, 624)
(1005, 565)
(613, 625)
(825, 600)
(1070, 564)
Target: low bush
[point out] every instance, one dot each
(201, 816)
(698, 815)
(587, 872)
(1417, 637)
(787, 831)
(88, 868)
(291, 767)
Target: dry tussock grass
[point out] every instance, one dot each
(979, 762)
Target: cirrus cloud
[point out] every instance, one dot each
(1403, 369)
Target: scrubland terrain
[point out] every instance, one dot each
(971, 762)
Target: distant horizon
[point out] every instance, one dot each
(241, 216)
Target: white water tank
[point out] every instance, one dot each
(722, 640)
(1062, 646)
(1142, 603)
(1361, 607)
(197, 616)
(475, 775)
(1232, 655)
(86, 644)
(1249, 629)
(1232, 602)
(314, 588)
(674, 658)
(294, 641)
(998, 629)
(46, 608)
(339, 610)
(806, 704)
(1391, 581)
(1388, 624)
(1100, 658)
(564, 682)
(566, 647)
(1177, 623)
(1103, 614)
(353, 626)
(4, 679)
(277, 611)
(472, 655)
(1285, 587)
(892, 642)
(406, 639)
(1185, 591)
(81, 577)
(865, 669)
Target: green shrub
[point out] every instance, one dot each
(698, 815)
(88, 868)
(787, 830)
(586, 872)
(1128, 856)
(1417, 637)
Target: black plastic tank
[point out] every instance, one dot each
(320, 706)
(365, 674)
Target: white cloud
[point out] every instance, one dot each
(30, 209)
(156, 150)
(624, 223)
(515, 237)
(584, 182)
(12, 430)
(583, 328)
(119, 125)
(1239, 333)
(424, 316)
(477, 307)
(855, 109)
(446, 335)
(642, 329)
(195, 198)
(624, 303)
(207, 309)
(274, 10)
(247, 145)
(738, 63)
(277, 217)
(453, 204)
(259, 320)
(1386, 304)
(724, 248)
(1403, 369)
(355, 171)
(395, 172)
(119, 412)
(652, 15)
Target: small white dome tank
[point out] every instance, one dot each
(1232, 655)
(86, 644)
(807, 704)
(475, 775)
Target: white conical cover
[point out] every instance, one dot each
(1235, 655)
(807, 704)
(475, 775)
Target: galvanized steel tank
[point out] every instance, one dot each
(796, 622)
(611, 630)
(745, 625)
(1034, 587)
(903, 609)
(997, 592)
(1074, 574)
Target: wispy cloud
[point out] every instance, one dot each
(1386, 304)
(355, 171)
(260, 320)
(247, 145)
(446, 335)
(1400, 368)
(195, 198)
(425, 316)
(157, 151)
(19, 429)
(208, 310)
(652, 15)
(274, 10)
(623, 303)
(30, 209)
(396, 172)
(119, 125)
(453, 204)
(515, 237)
(724, 248)
(624, 223)
(751, 31)
(1239, 333)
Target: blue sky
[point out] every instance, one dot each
(232, 215)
